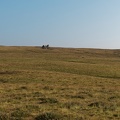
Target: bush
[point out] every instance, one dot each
(3, 117)
(19, 114)
(48, 116)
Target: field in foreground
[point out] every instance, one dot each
(59, 84)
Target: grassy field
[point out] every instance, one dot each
(59, 84)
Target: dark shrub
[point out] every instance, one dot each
(48, 116)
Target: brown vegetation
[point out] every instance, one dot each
(59, 84)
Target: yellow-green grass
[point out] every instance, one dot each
(59, 84)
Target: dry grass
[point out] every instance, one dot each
(59, 84)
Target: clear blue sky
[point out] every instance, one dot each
(62, 23)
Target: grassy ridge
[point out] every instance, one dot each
(59, 83)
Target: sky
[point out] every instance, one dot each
(60, 23)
